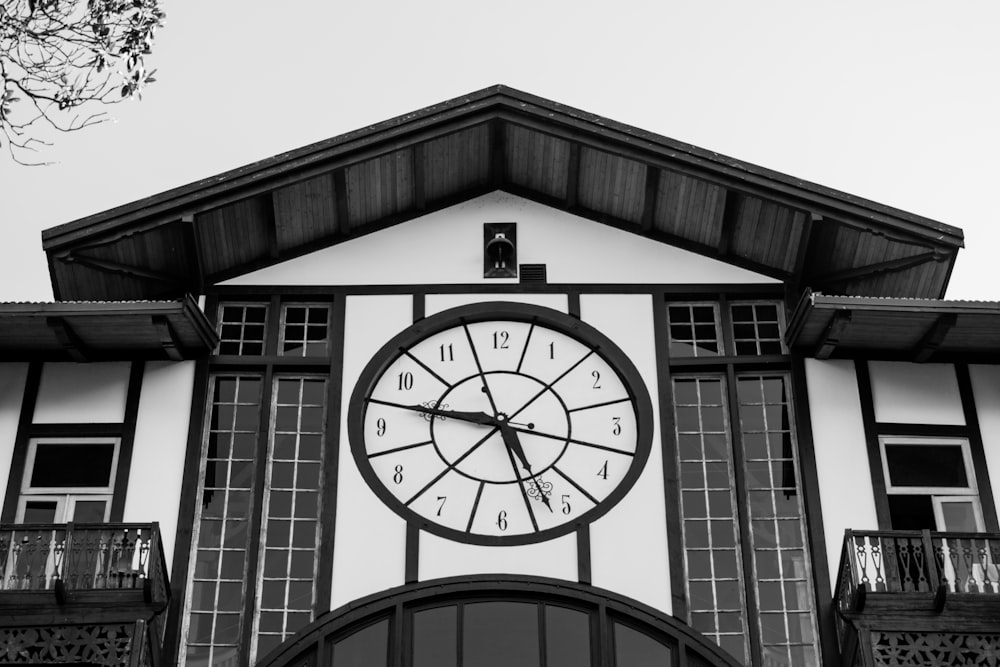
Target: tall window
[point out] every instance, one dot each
(748, 579)
(252, 577)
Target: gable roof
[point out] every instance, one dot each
(499, 139)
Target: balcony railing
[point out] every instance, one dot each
(83, 557)
(917, 562)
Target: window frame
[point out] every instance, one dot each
(970, 472)
(66, 497)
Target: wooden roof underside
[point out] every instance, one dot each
(920, 330)
(185, 239)
(89, 331)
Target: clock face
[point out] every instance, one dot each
(500, 423)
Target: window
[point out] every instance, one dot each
(694, 330)
(484, 624)
(252, 575)
(242, 328)
(304, 330)
(757, 328)
(748, 579)
(931, 484)
(68, 480)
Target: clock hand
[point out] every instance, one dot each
(513, 443)
(474, 417)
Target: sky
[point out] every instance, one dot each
(895, 101)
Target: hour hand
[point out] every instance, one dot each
(474, 417)
(513, 443)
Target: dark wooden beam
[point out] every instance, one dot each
(168, 338)
(931, 340)
(831, 336)
(419, 200)
(730, 216)
(197, 284)
(498, 153)
(900, 264)
(652, 197)
(68, 338)
(340, 199)
(573, 177)
(118, 267)
(270, 213)
(803, 252)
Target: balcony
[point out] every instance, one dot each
(69, 591)
(918, 597)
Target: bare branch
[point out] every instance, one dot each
(59, 59)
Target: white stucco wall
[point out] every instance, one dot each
(446, 247)
(629, 545)
(12, 380)
(911, 393)
(369, 553)
(986, 390)
(82, 393)
(845, 484)
(161, 434)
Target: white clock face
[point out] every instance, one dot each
(500, 423)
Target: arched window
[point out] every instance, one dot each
(488, 623)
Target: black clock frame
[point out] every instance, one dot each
(517, 312)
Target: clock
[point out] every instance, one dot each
(500, 423)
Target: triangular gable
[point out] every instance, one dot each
(445, 247)
(499, 139)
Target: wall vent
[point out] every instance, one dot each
(533, 273)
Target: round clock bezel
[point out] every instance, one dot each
(513, 312)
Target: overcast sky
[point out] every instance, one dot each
(896, 101)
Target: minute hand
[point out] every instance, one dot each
(474, 417)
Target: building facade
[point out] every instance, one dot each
(500, 382)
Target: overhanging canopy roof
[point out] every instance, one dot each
(103, 331)
(499, 138)
(905, 329)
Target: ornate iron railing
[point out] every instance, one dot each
(917, 562)
(83, 557)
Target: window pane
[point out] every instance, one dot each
(911, 512)
(435, 637)
(489, 631)
(89, 511)
(926, 465)
(368, 647)
(40, 511)
(959, 516)
(637, 649)
(777, 523)
(73, 464)
(567, 637)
